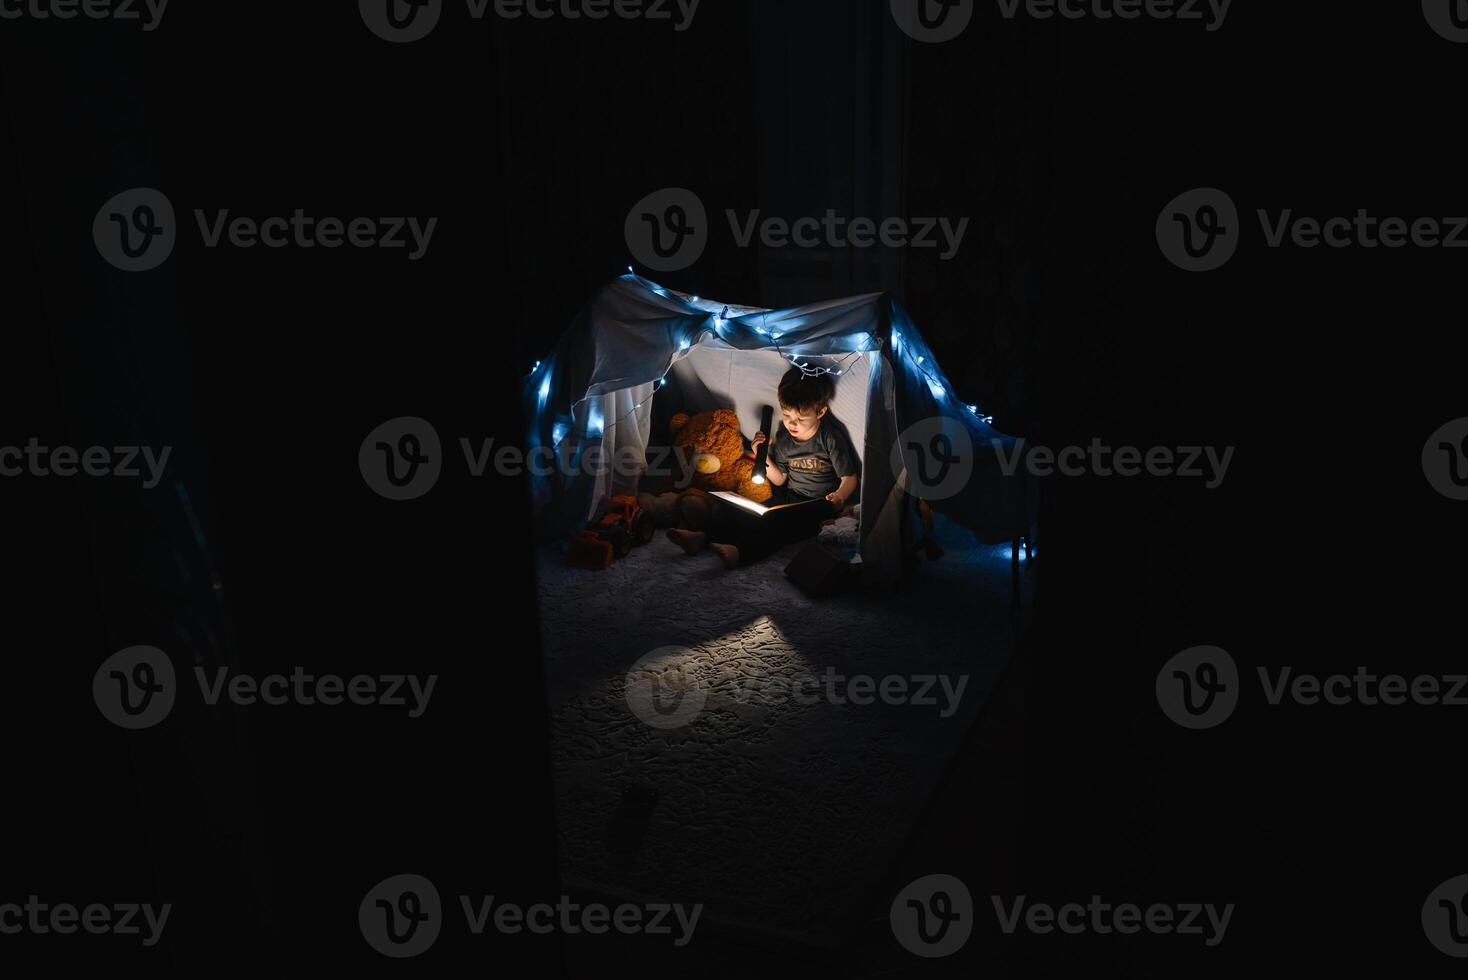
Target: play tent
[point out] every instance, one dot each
(640, 351)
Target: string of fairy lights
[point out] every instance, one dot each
(807, 367)
(810, 370)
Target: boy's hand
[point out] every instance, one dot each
(759, 437)
(843, 490)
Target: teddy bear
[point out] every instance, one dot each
(709, 442)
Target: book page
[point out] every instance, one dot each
(743, 502)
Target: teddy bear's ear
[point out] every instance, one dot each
(724, 416)
(678, 421)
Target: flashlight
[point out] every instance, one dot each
(766, 418)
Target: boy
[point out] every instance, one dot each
(810, 458)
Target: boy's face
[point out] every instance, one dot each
(801, 423)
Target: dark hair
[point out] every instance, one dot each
(805, 393)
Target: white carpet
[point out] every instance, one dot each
(777, 813)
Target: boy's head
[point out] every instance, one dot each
(804, 400)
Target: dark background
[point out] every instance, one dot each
(530, 141)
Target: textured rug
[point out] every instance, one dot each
(736, 765)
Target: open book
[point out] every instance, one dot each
(760, 510)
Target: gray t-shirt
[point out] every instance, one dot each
(815, 467)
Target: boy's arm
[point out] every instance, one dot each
(773, 472)
(843, 492)
(844, 460)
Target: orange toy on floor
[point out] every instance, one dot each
(623, 525)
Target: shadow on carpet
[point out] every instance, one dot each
(739, 768)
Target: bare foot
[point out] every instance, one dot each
(728, 553)
(689, 541)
